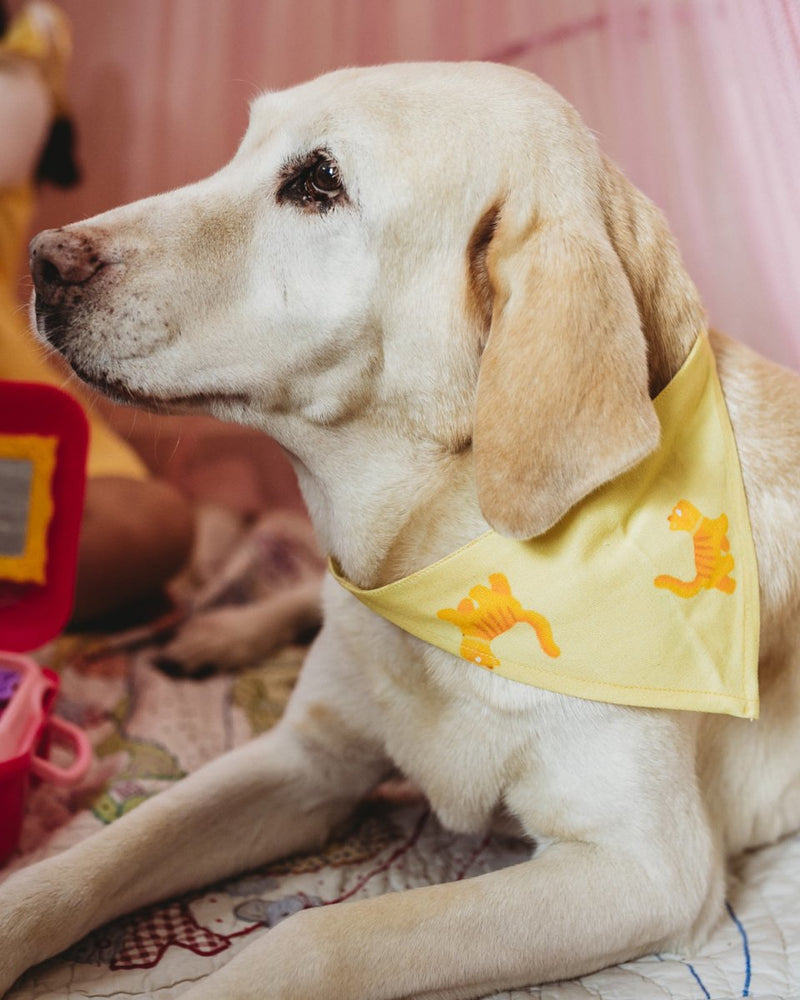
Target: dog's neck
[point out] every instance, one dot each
(382, 516)
(385, 513)
(385, 505)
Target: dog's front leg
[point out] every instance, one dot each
(575, 909)
(629, 865)
(279, 793)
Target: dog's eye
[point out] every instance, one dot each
(324, 179)
(314, 183)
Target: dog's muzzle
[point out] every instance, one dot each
(62, 264)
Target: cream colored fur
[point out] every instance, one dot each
(471, 335)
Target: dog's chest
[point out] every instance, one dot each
(444, 724)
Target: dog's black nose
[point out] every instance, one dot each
(60, 259)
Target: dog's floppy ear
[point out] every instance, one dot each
(562, 400)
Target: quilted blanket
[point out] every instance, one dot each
(149, 730)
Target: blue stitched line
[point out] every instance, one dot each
(693, 971)
(746, 946)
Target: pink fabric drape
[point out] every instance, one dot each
(700, 104)
(698, 100)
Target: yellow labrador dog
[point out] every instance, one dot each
(396, 276)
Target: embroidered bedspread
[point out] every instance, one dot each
(149, 730)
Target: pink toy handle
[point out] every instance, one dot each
(81, 748)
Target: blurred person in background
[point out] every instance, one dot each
(137, 530)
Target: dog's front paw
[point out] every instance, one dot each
(8, 973)
(39, 917)
(285, 963)
(15, 950)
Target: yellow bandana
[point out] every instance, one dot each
(645, 593)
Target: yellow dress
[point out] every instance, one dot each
(22, 358)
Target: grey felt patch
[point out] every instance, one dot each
(16, 476)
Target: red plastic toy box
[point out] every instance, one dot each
(43, 438)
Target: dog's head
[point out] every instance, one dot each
(439, 250)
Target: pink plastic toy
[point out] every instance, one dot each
(26, 729)
(43, 438)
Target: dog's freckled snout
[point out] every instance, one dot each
(60, 260)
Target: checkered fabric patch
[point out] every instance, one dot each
(148, 939)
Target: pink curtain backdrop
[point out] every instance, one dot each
(698, 100)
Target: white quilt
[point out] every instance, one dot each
(149, 730)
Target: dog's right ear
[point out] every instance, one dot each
(562, 400)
